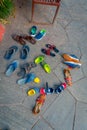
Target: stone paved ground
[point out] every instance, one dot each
(67, 111)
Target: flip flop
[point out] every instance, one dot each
(39, 103)
(52, 47)
(24, 52)
(40, 35)
(33, 91)
(39, 59)
(33, 31)
(12, 67)
(67, 76)
(47, 52)
(27, 79)
(46, 67)
(29, 39)
(10, 52)
(19, 39)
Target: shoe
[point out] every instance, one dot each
(27, 79)
(12, 67)
(33, 31)
(67, 77)
(10, 52)
(19, 39)
(46, 67)
(60, 88)
(39, 59)
(33, 91)
(47, 52)
(73, 64)
(40, 35)
(24, 52)
(39, 103)
(52, 47)
(70, 57)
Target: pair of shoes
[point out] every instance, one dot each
(39, 35)
(47, 90)
(39, 103)
(25, 68)
(49, 50)
(71, 60)
(30, 77)
(13, 49)
(21, 39)
(45, 66)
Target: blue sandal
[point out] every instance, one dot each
(10, 52)
(24, 52)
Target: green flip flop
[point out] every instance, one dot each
(46, 67)
(39, 59)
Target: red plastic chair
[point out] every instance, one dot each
(46, 2)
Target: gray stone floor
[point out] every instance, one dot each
(67, 111)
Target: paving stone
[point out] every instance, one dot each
(81, 116)
(79, 90)
(61, 113)
(41, 125)
(17, 117)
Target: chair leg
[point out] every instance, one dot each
(55, 14)
(32, 11)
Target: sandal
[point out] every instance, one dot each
(52, 47)
(39, 103)
(47, 52)
(10, 52)
(46, 67)
(29, 39)
(24, 52)
(19, 39)
(68, 77)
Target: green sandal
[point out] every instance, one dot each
(39, 59)
(46, 67)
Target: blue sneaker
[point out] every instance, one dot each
(72, 64)
(33, 31)
(40, 35)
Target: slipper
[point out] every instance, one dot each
(10, 52)
(47, 52)
(40, 35)
(72, 64)
(37, 80)
(33, 91)
(24, 52)
(67, 76)
(52, 47)
(33, 31)
(29, 39)
(39, 59)
(60, 88)
(12, 67)
(19, 39)
(46, 67)
(27, 79)
(39, 103)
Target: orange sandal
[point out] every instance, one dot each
(39, 103)
(68, 77)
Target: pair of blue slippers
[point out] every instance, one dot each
(13, 49)
(12, 67)
(37, 35)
